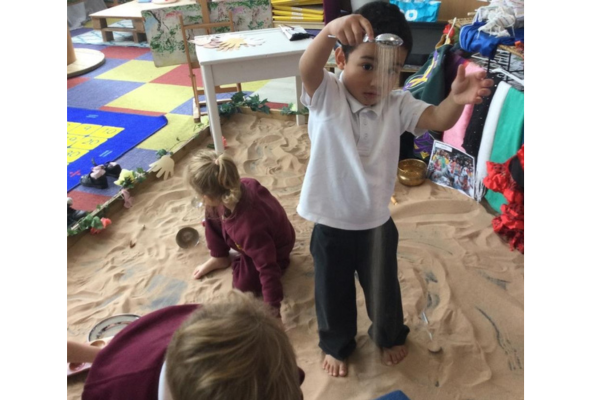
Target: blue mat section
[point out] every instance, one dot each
(395, 395)
(133, 159)
(97, 93)
(103, 136)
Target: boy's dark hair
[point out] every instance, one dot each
(385, 18)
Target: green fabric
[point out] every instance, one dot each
(508, 138)
(428, 83)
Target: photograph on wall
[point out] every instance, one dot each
(452, 168)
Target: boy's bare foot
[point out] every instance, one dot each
(212, 264)
(335, 367)
(394, 355)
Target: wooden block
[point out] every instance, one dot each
(107, 36)
(138, 25)
(99, 23)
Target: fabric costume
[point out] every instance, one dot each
(348, 183)
(475, 41)
(129, 367)
(431, 83)
(260, 231)
(508, 138)
(455, 135)
(487, 137)
(507, 180)
(474, 131)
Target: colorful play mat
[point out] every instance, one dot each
(129, 83)
(98, 137)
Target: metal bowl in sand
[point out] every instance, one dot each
(412, 172)
(110, 326)
(187, 237)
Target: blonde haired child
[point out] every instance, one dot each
(245, 355)
(242, 215)
(230, 349)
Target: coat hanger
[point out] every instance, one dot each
(511, 76)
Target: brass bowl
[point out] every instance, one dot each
(412, 172)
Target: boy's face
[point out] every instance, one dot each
(361, 72)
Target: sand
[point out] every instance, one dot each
(451, 265)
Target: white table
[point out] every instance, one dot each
(131, 10)
(277, 57)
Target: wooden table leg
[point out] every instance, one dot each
(70, 50)
(139, 34)
(99, 24)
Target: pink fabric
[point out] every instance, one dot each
(127, 198)
(97, 171)
(456, 135)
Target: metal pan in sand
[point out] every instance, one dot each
(187, 237)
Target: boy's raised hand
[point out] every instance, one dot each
(351, 29)
(470, 89)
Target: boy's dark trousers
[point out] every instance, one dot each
(337, 253)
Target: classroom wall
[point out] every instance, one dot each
(457, 8)
(448, 9)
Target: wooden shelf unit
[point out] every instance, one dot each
(305, 25)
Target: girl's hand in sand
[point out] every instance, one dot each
(350, 29)
(212, 264)
(470, 89)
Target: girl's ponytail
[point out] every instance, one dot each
(215, 176)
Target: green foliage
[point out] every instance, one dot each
(228, 109)
(238, 100)
(129, 179)
(89, 221)
(256, 104)
(160, 153)
(287, 110)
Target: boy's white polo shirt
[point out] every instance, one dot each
(354, 154)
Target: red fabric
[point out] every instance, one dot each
(521, 155)
(511, 223)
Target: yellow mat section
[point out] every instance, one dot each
(136, 71)
(180, 127)
(253, 86)
(154, 97)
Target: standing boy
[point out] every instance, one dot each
(354, 128)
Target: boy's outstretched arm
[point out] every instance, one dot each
(465, 90)
(348, 30)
